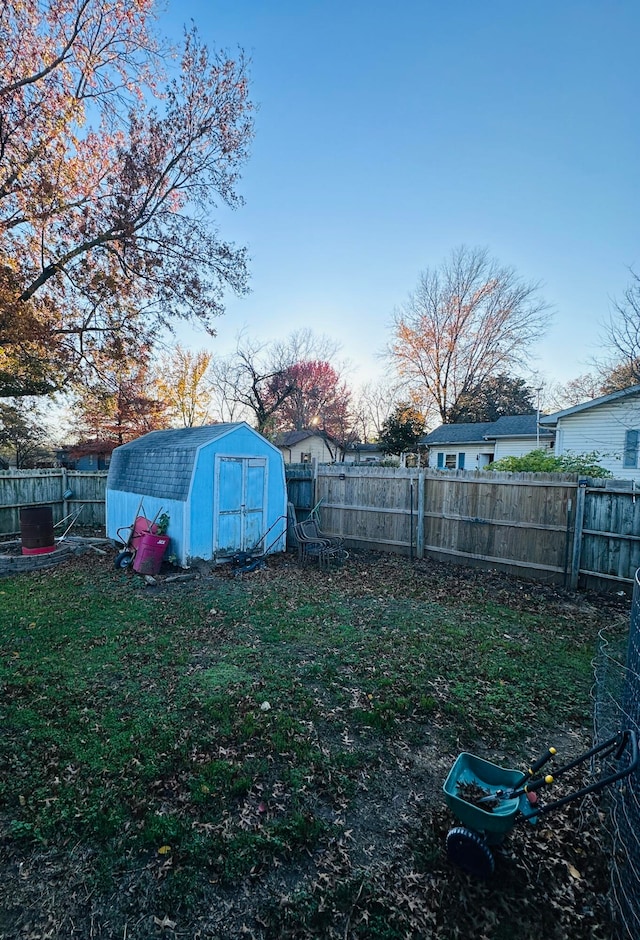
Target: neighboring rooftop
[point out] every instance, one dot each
(517, 426)
(480, 431)
(473, 433)
(552, 420)
(291, 438)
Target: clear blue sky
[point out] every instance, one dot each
(389, 133)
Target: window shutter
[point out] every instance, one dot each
(461, 461)
(440, 460)
(631, 449)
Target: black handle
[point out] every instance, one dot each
(628, 736)
(542, 760)
(617, 744)
(537, 784)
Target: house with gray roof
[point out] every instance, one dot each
(475, 445)
(363, 453)
(222, 486)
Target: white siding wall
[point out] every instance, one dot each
(311, 445)
(601, 429)
(471, 453)
(518, 448)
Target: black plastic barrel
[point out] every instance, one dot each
(36, 530)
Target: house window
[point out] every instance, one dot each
(450, 461)
(305, 458)
(630, 460)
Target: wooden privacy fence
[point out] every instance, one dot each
(67, 491)
(546, 526)
(553, 527)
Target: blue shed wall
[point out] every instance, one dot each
(121, 510)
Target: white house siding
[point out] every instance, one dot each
(365, 456)
(511, 447)
(472, 452)
(315, 446)
(601, 429)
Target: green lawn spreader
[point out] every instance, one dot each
(489, 800)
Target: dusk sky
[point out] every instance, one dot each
(390, 133)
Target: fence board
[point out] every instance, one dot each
(509, 520)
(301, 488)
(369, 506)
(610, 545)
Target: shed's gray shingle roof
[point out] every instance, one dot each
(161, 463)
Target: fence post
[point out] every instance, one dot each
(420, 518)
(65, 488)
(314, 500)
(577, 534)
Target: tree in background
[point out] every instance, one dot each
(119, 403)
(317, 398)
(606, 378)
(251, 374)
(257, 377)
(110, 172)
(374, 403)
(618, 377)
(402, 430)
(21, 432)
(621, 369)
(182, 383)
(223, 380)
(497, 397)
(583, 388)
(623, 338)
(467, 321)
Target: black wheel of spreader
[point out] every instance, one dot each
(469, 851)
(123, 559)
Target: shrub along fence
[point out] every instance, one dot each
(553, 527)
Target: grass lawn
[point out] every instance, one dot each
(264, 756)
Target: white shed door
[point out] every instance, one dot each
(239, 504)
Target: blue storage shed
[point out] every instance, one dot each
(223, 487)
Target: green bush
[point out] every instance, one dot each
(541, 461)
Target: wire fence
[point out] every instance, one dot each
(616, 707)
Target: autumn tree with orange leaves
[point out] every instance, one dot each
(467, 321)
(114, 153)
(119, 401)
